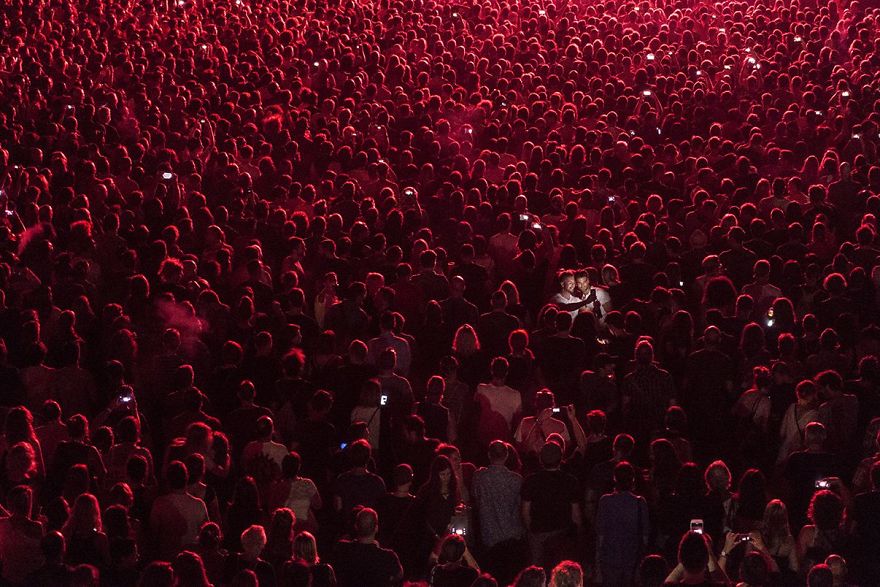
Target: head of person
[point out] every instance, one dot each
(533, 576)
(498, 452)
(452, 549)
(189, 569)
(652, 571)
(253, 540)
(290, 465)
(693, 552)
(305, 547)
(366, 524)
(358, 453)
(551, 455)
(826, 510)
(754, 570)
(566, 281)
(820, 576)
(567, 574)
(157, 574)
(624, 476)
(718, 477)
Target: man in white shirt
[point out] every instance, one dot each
(498, 403)
(176, 517)
(597, 298)
(567, 299)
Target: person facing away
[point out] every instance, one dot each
(622, 528)
(176, 517)
(362, 561)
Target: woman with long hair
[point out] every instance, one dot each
(305, 551)
(279, 543)
(750, 501)
(429, 516)
(86, 541)
(781, 545)
(473, 365)
(243, 512)
(824, 534)
(20, 428)
(189, 570)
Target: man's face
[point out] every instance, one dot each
(583, 283)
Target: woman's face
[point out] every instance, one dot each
(568, 285)
(445, 475)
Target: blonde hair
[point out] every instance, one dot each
(304, 547)
(466, 341)
(776, 521)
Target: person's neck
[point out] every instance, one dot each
(371, 539)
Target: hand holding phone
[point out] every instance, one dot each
(697, 526)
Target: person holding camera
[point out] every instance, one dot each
(697, 564)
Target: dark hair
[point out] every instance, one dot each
(452, 549)
(826, 510)
(290, 465)
(176, 475)
(624, 476)
(820, 576)
(358, 453)
(754, 569)
(693, 553)
(53, 545)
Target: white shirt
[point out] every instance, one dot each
(501, 399)
(531, 434)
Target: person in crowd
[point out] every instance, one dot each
(532, 431)
(567, 574)
(362, 561)
(20, 537)
(623, 528)
(455, 566)
(697, 564)
(251, 220)
(297, 493)
(358, 486)
(551, 507)
(824, 534)
(864, 516)
(496, 493)
(499, 404)
(177, 517)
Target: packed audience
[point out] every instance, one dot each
(423, 292)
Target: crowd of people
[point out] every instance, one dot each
(503, 292)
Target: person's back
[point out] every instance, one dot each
(496, 492)
(175, 518)
(697, 563)
(623, 527)
(20, 538)
(362, 562)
